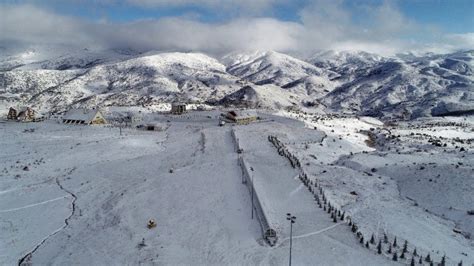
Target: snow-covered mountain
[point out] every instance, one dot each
(408, 88)
(405, 86)
(142, 80)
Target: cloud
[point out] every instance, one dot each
(322, 25)
(248, 5)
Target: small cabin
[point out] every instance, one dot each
(178, 108)
(24, 114)
(242, 117)
(84, 117)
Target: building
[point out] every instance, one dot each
(242, 117)
(24, 114)
(132, 119)
(84, 117)
(151, 127)
(178, 108)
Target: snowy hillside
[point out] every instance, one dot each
(423, 86)
(406, 86)
(143, 80)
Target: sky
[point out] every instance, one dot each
(222, 26)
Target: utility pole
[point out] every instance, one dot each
(292, 221)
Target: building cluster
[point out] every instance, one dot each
(22, 114)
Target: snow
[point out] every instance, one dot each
(369, 129)
(404, 188)
(80, 114)
(89, 192)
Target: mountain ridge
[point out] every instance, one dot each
(350, 82)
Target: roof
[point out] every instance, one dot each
(81, 114)
(21, 108)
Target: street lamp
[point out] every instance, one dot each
(292, 221)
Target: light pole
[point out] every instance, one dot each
(292, 221)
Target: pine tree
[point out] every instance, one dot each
(389, 249)
(402, 256)
(415, 253)
(342, 216)
(421, 260)
(395, 242)
(385, 238)
(372, 239)
(395, 257)
(334, 219)
(412, 263)
(428, 258)
(379, 247)
(431, 263)
(362, 239)
(354, 228)
(367, 244)
(460, 263)
(405, 246)
(443, 261)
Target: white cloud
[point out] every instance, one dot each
(323, 25)
(221, 4)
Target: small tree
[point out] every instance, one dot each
(402, 256)
(395, 257)
(428, 258)
(385, 238)
(372, 239)
(460, 263)
(443, 261)
(412, 262)
(342, 216)
(362, 239)
(379, 247)
(389, 249)
(334, 219)
(395, 242)
(415, 253)
(367, 244)
(354, 228)
(405, 246)
(420, 261)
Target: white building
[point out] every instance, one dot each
(84, 117)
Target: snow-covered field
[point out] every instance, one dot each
(403, 186)
(84, 194)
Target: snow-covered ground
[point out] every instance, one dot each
(84, 194)
(402, 186)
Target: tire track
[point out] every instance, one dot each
(26, 260)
